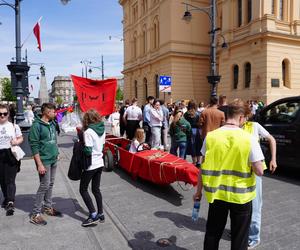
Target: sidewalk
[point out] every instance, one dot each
(138, 213)
(60, 233)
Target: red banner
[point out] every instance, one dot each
(96, 94)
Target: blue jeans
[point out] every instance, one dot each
(254, 233)
(181, 146)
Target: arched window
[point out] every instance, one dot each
(144, 40)
(135, 12)
(281, 9)
(249, 11)
(273, 7)
(154, 36)
(247, 75)
(235, 76)
(145, 88)
(239, 10)
(134, 45)
(144, 6)
(155, 32)
(156, 82)
(285, 69)
(135, 89)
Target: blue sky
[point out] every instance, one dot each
(70, 33)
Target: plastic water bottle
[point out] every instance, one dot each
(195, 212)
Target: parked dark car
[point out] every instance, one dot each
(282, 119)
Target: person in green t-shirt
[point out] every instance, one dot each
(179, 131)
(43, 143)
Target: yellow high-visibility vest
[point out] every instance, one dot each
(249, 127)
(226, 172)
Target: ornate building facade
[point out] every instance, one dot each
(62, 87)
(261, 62)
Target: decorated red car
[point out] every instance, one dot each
(153, 165)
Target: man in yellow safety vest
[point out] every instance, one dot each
(232, 158)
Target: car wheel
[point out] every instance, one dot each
(108, 159)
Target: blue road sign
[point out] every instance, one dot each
(165, 83)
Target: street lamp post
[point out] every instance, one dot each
(213, 78)
(102, 67)
(85, 63)
(88, 67)
(19, 69)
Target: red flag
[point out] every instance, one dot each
(96, 94)
(36, 31)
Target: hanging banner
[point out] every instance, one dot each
(96, 94)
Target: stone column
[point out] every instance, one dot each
(43, 93)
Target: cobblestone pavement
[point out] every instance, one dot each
(145, 212)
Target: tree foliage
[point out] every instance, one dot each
(119, 95)
(59, 100)
(75, 98)
(6, 91)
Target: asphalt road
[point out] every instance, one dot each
(145, 212)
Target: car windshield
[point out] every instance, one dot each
(282, 113)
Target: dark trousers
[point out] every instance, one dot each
(8, 172)
(131, 127)
(147, 130)
(86, 178)
(122, 128)
(240, 216)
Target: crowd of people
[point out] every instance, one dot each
(185, 122)
(220, 137)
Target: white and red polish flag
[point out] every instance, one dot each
(37, 33)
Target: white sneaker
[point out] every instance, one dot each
(253, 244)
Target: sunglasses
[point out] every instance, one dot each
(4, 114)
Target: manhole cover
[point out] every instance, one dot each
(163, 242)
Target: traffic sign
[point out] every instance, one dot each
(165, 83)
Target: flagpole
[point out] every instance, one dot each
(30, 34)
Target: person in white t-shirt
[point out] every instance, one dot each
(29, 115)
(156, 119)
(258, 132)
(10, 135)
(94, 139)
(137, 143)
(132, 117)
(228, 179)
(114, 121)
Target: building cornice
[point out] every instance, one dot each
(265, 35)
(122, 2)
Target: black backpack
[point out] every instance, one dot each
(79, 162)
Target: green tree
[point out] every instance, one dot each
(59, 100)
(75, 98)
(6, 92)
(119, 95)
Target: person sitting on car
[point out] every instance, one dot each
(137, 143)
